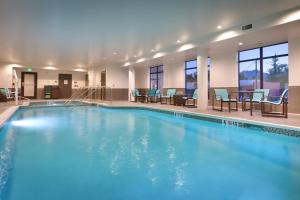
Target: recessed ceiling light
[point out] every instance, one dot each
(178, 41)
(240, 43)
(159, 54)
(80, 70)
(186, 47)
(140, 60)
(115, 53)
(219, 27)
(50, 68)
(126, 64)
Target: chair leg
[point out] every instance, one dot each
(221, 106)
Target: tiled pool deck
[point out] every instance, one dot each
(292, 122)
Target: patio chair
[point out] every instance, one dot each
(2, 95)
(170, 94)
(222, 96)
(279, 101)
(151, 94)
(193, 98)
(135, 94)
(258, 96)
(9, 94)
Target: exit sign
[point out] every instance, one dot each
(29, 69)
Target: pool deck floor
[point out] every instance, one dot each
(292, 120)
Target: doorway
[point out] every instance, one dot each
(103, 85)
(103, 78)
(65, 85)
(29, 85)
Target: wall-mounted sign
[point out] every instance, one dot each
(28, 69)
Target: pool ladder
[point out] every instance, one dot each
(178, 114)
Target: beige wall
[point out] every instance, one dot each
(174, 76)
(174, 73)
(224, 69)
(5, 76)
(117, 77)
(50, 77)
(294, 61)
(142, 77)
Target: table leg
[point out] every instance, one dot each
(251, 106)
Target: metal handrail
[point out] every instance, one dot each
(76, 94)
(89, 92)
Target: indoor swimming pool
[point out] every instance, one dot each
(89, 152)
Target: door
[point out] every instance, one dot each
(65, 85)
(29, 85)
(103, 84)
(103, 78)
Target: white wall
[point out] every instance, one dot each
(174, 74)
(142, 79)
(117, 77)
(50, 77)
(6, 76)
(224, 69)
(294, 61)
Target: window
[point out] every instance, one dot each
(264, 67)
(190, 77)
(156, 77)
(208, 73)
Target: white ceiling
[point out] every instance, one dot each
(83, 33)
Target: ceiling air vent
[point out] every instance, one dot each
(247, 27)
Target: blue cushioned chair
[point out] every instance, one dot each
(258, 96)
(193, 98)
(170, 94)
(151, 94)
(278, 101)
(222, 96)
(135, 94)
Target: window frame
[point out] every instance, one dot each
(157, 72)
(186, 69)
(260, 59)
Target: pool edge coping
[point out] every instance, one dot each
(288, 130)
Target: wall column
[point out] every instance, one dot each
(202, 81)
(131, 82)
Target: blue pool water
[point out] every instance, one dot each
(92, 153)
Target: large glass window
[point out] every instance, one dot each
(156, 77)
(264, 67)
(190, 77)
(208, 73)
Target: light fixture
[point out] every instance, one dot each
(79, 70)
(219, 27)
(152, 50)
(159, 54)
(50, 68)
(115, 53)
(240, 43)
(178, 41)
(127, 64)
(140, 60)
(186, 47)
